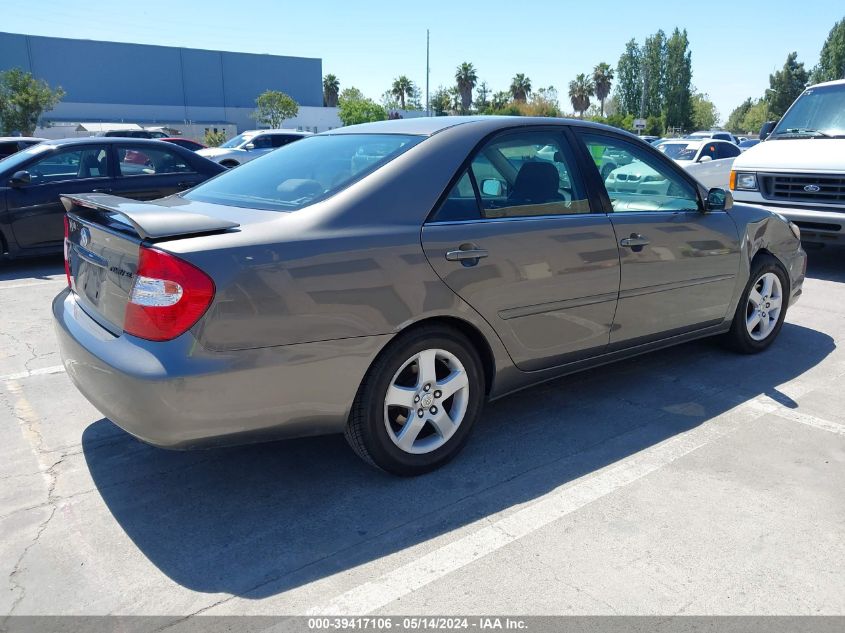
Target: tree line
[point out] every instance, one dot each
(786, 84)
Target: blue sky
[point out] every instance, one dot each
(735, 45)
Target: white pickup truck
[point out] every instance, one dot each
(799, 171)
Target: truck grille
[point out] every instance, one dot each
(819, 188)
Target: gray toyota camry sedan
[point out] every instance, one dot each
(385, 280)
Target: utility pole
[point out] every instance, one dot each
(427, 72)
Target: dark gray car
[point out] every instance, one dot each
(385, 280)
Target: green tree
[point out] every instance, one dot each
(629, 86)
(440, 101)
(482, 98)
(734, 122)
(23, 99)
(831, 64)
(580, 90)
(654, 73)
(520, 87)
(500, 100)
(786, 85)
(466, 78)
(755, 117)
(402, 88)
(214, 139)
(354, 108)
(542, 102)
(677, 79)
(273, 107)
(705, 116)
(331, 86)
(602, 81)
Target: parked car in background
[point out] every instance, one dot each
(398, 274)
(649, 139)
(31, 213)
(748, 143)
(708, 160)
(250, 145)
(13, 144)
(720, 135)
(185, 142)
(133, 134)
(799, 171)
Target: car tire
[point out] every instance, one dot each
(407, 425)
(762, 307)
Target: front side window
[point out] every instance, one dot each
(305, 172)
(74, 164)
(142, 160)
(236, 141)
(727, 150)
(643, 183)
(262, 142)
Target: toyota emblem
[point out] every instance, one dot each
(812, 188)
(84, 237)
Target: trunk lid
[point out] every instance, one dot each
(104, 236)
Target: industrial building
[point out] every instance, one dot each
(185, 89)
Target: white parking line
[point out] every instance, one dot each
(565, 500)
(55, 369)
(31, 284)
(797, 416)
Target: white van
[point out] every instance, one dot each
(799, 171)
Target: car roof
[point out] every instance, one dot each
(428, 126)
(105, 140)
(835, 82)
(278, 130)
(12, 139)
(691, 143)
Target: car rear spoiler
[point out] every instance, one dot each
(151, 221)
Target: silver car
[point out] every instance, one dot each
(249, 145)
(386, 280)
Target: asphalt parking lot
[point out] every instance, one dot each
(688, 481)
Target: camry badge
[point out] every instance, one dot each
(812, 188)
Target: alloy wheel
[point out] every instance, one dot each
(765, 301)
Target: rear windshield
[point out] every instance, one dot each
(302, 173)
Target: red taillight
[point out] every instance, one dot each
(67, 254)
(168, 296)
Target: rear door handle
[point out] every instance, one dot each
(466, 254)
(635, 241)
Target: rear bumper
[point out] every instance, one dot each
(176, 394)
(816, 226)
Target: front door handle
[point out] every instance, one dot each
(635, 242)
(467, 254)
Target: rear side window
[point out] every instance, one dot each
(142, 160)
(278, 140)
(727, 150)
(305, 172)
(7, 149)
(517, 174)
(262, 142)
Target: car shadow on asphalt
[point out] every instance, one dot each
(34, 268)
(827, 264)
(259, 520)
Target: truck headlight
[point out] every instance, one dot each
(744, 181)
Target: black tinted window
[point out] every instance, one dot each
(283, 139)
(525, 174)
(262, 142)
(143, 160)
(461, 203)
(727, 150)
(73, 164)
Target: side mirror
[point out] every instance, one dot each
(718, 200)
(705, 159)
(249, 146)
(492, 187)
(20, 178)
(767, 129)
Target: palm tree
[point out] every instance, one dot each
(520, 87)
(331, 87)
(402, 88)
(602, 80)
(580, 91)
(466, 78)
